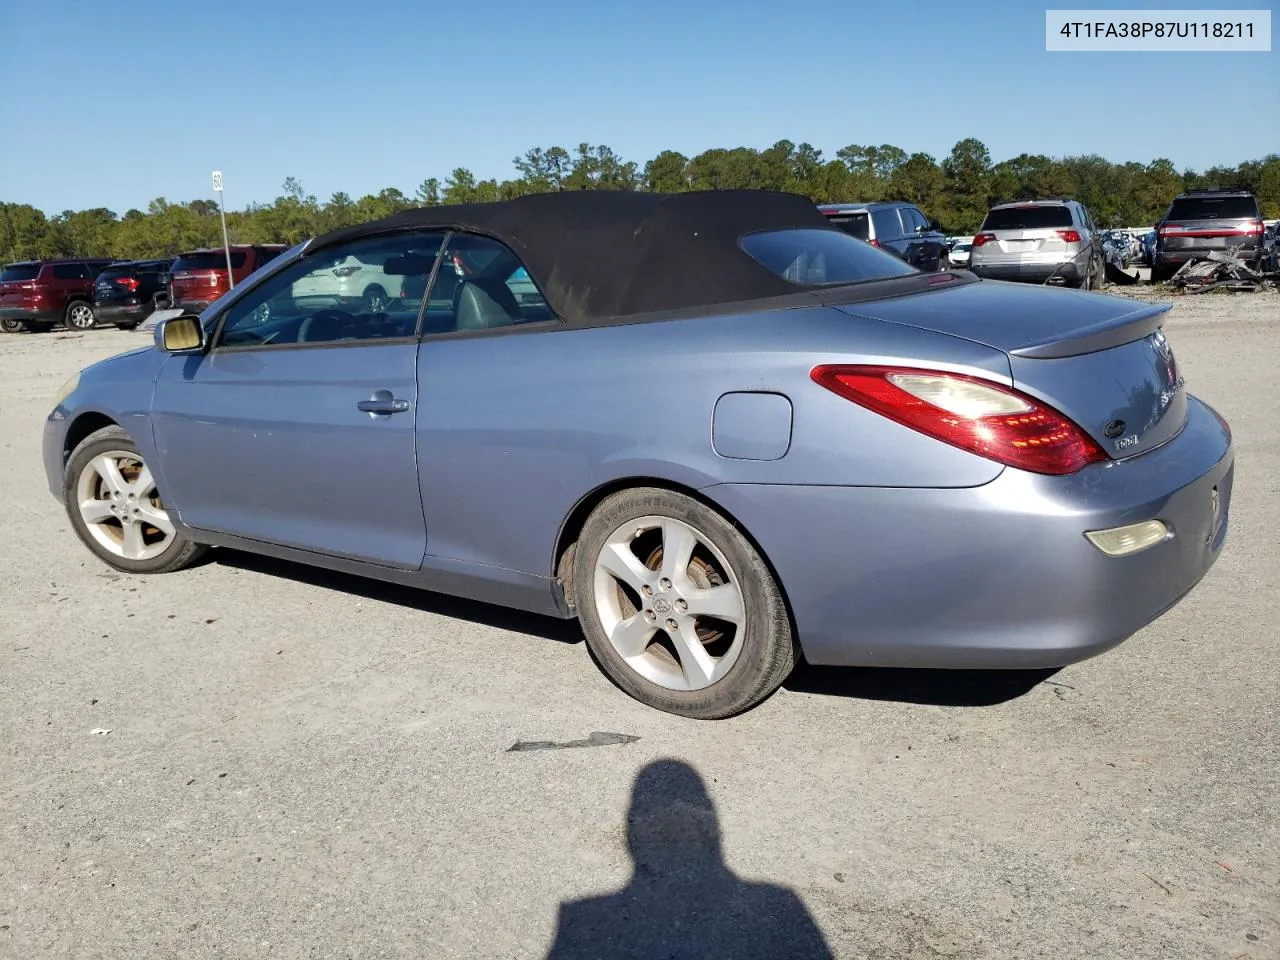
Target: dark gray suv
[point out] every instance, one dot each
(896, 226)
(1202, 220)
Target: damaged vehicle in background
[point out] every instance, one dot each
(843, 458)
(1039, 241)
(1200, 221)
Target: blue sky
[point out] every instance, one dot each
(113, 104)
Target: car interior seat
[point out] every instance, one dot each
(483, 303)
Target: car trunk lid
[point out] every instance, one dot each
(1102, 361)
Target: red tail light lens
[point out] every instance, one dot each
(973, 414)
(127, 283)
(984, 238)
(1255, 226)
(1070, 236)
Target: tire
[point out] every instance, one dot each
(83, 483)
(1161, 274)
(733, 666)
(13, 326)
(375, 299)
(79, 316)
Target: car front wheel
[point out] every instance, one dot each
(678, 608)
(115, 508)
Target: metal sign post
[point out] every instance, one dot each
(222, 212)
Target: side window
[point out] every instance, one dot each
(886, 222)
(363, 290)
(482, 285)
(70, 271)
(913, 220)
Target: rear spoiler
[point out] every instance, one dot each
(1126, 328)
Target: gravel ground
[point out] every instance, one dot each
(301, 764)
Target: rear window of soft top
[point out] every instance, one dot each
(1214, 208)
(1036, 217)
(18, 272)
(208, 260)
(821, 258)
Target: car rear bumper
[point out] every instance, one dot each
(1027, 271)
(1176, 258)
(997, 576)
(30, 314)
(108, 313)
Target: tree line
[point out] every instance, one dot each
(956, 191)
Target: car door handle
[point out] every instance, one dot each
(382, 403)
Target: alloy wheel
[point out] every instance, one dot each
(117, 499)
(670, 603)
(80, 316)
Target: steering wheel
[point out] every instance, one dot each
(341, 323)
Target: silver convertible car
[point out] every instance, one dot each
(720, 432)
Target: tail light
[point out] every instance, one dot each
(984, 238)
(976, 415)
(127, 283)
(874, 243)
(1070, 236)
(344, 271)
(1255, 226)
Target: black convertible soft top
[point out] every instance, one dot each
(601, 254)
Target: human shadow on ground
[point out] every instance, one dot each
(683, 901)
(487, 614)
(944, 688)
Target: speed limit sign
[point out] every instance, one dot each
(217, 181)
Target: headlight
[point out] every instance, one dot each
(66, 390)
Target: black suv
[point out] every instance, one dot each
(125, 293)
(894, 225)
(1203, 220)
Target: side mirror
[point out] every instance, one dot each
(182, 334)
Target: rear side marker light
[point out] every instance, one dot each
(1127, 540)
(976, 415)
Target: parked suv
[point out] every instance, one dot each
(1203, 220)
(896, 226)
(36, 294)
(125, 293)
(199, 277)
(1040, 241)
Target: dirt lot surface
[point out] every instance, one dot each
(301, 764)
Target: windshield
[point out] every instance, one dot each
(16, 272)
(208, 260)
(1027, 218)
(1213, 208)
(821, 258)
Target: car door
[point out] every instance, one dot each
(297, 426)
(912, 239)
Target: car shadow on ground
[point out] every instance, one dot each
(943, 688)
(683, 900)
(501, 618)
(952, 688)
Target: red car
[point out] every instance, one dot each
(36, 294)
(199, 277)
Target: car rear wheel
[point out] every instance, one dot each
(79, 316)
(13, 326)
(678, 608)
(115, 508)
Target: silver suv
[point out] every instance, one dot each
(1040, 241)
